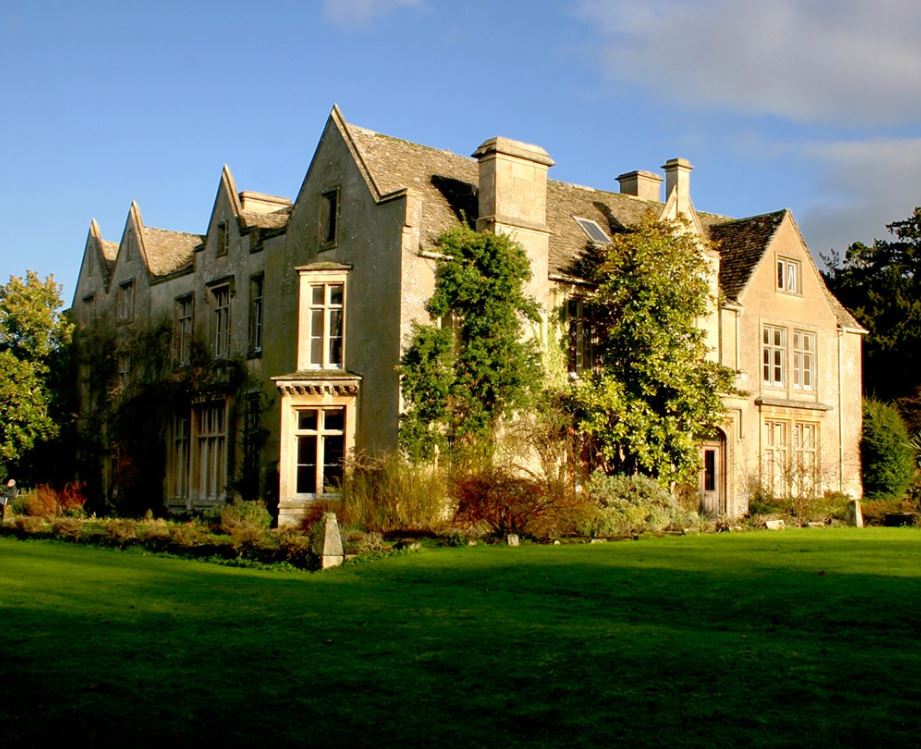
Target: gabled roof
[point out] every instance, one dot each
(169, 251)
(741, 244)
(448, 184)
(107, 252)
(274, 221)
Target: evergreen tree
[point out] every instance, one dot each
(886, 453)
(880, 284)
(653, 393)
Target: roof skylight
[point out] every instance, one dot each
(592, 230)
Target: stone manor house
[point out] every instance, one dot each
(315, 299)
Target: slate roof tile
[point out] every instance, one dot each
(448, 184)
(169, 251)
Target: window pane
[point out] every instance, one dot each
(307, 450)
(335, 294)
(316, 295)
(306, 465)
(335, 338)
(306, 480)
(780, 274)
(333, 453)
(334, 420)
(307, 420)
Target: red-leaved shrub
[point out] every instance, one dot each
(510, 503)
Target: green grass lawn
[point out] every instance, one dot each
(792, 638)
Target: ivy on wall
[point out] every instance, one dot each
(466, 372)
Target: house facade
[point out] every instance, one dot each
(305, 307)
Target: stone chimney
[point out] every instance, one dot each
(260, 202)
(643, 185)
(513, 183)
(513, 200)
(678, 177)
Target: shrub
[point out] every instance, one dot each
(189, 534)
(509, 503)
(42, 502)
(72, 498)
(831, 506)
(29, 525)
(875, 510)
(294, 547)
(67, 528)
(361, 542)
(245, 518)
(121, 532)
(886, 454)
(632, 504)
(388, 493)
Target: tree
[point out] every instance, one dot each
(881, 285)
(653, 393)
(886, 454)
(463, 375)
(33, 340)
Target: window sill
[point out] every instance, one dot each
(810, 405)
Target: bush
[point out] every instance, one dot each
(875, 510)
(632, 504)
(509, 503)
(42, 502)
(294, 547)
(885, 451)
(72, 498)
(245, 518)
(388, 493)
(360, 542)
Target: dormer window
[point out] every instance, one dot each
(789, 276)
(329, 219)
(593, 231)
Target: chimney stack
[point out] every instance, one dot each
(678, 177)
(513, 200)
(643, 185)
(513, 183)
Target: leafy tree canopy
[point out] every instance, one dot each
(33, 333)
(461, 376)
(886, 454)
(881, 284)
(653, 393)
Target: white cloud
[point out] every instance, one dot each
(863, 185)
(362, 11)
(848, 62)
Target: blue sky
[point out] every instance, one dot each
(801, 104)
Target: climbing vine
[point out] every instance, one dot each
(470, 368)
(132, 391)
